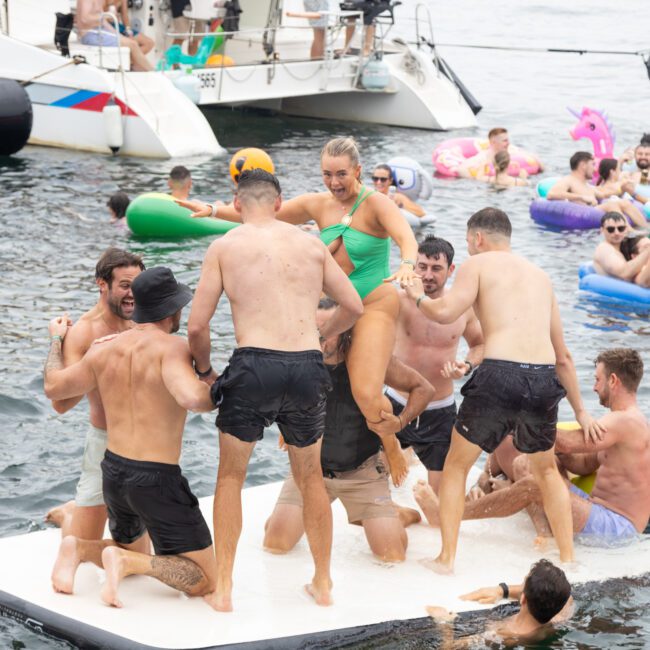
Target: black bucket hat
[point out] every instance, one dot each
(158, 295)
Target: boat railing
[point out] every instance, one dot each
(423, 15)
(110, 17)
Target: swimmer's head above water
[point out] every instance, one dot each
(546, 591)
(486, 228)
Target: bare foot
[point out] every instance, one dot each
(219, 602)
(428, 501)
(65, 566)
(438, 566)
(397, 464)
(60, 515)
(113, 562)
(408, 516)
(321, 592)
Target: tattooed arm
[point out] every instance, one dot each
(60, 382)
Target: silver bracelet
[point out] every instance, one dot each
(213, 212)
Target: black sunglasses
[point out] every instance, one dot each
(612, 229)
(383, 179)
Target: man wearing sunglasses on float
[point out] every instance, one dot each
(382, 181)
(608, 259)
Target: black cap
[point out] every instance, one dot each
(158, 295)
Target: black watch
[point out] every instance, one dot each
(204, 374)
(470, 367)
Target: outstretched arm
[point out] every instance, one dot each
(575, 441)
(76, 345)
(60, 382)
(337, 286)
(178, 376)
(566, 373)
(204, 304)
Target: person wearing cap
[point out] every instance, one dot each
(146, 383)
(273, 274)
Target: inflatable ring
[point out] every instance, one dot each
(158, 215)
(417, 222)
(450, 154)
(584, 483)
(565, 214)
(604, 285)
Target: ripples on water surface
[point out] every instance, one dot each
(55, 226)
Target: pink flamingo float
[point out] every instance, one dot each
(595, 126)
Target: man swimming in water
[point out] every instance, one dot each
(273, 275)
(146, 383)
(430, 348)
(351, 459)
(115, 271)
(516, 387)
(180, 182)
(545, 598)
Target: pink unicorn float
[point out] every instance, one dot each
(595, 126)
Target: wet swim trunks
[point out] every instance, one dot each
(430, 433)
(154, 497)
(503, 397)
(604, 527)
(89, 488)
(364, 491)
(259, 387)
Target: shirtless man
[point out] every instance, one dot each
(642, 159)
(576, 189)
(180, 182)
(116, 269)
(351, 459)
(430, 348)
(87, 20)
(273, 275)
(516, 387)
(146, 382)
(545, 598)
(608, 259)
(619, 505)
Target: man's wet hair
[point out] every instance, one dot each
(547, 591)
(625, 363)
(258, 184)
(119, 202)
(433, 246)
(345, 338)
(614, 216)
(491, 221)
(496, 131)
(579, 157)
(115, 258)
(179, 174)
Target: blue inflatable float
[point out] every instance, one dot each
(610, 287)
(565, 214)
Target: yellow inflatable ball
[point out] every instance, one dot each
(250, 158)
(219, 61)
(585, 483)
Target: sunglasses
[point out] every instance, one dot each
(612, 229)
(380, 179)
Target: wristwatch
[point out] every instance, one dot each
(470, 367)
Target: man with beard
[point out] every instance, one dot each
(430, 348)
(642, 159)
(116, 269)
(619, 504)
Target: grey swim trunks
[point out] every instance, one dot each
(89, 489)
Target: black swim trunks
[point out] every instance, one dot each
(154, 497)
(178, 6)
(259, 387)
(429, 434)
(503, 397)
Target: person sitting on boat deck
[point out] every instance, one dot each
(357, 224)
(608, 258)
(609, 181)
(431, 348)
(500, 178)
(115, 272)
(631, 247)
(273, 275)
(351, 458)
(121, 9)
(93, 30)
(516, 387)
(641, 155)
(147, 384)
(545, 598)
(482, 164)
(575, 188)
(619, 505)
(180, 182)
(117, 205)
(383, 181)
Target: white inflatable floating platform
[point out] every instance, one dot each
(371, 598)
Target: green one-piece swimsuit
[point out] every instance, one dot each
(369, 254)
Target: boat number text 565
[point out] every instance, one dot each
(208, 80)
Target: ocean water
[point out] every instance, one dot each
(55, 226)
